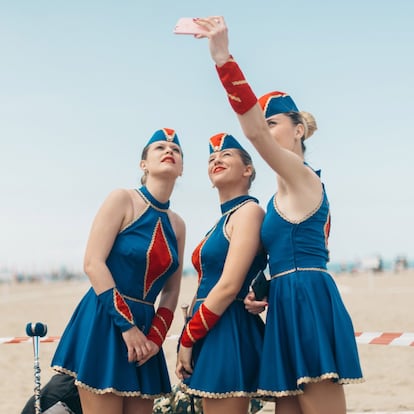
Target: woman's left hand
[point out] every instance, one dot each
(254, 306)
(216, 32)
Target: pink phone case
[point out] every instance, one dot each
(186, 25)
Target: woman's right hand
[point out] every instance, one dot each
(254, 306)
(137, 344)
(183, 368)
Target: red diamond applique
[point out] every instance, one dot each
(196, 259)
(159, 257)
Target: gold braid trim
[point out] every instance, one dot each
(187, 329)
(203, 319)
(216, 395)
(158, 332)
(240, 82)
(300, 269)
(164, 322)
(137, 300)
(234, 98)
(309, 380)
(110, 389)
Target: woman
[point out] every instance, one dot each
(220, 346)
(112, 344)
(309, 345)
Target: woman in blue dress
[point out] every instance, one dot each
(309, 345)
(112, 344)
(220, 347)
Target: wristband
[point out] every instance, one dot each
(160, 325)
(201, 322)
(239, 93)
(117, 308)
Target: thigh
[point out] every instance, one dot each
(325, 397)
(134, 405)
(288, 405)
(232, 405)
(92, 403)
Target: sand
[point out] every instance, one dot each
(376, 302)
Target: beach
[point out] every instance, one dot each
(377, 302)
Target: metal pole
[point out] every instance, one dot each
(36, 330)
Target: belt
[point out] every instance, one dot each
(137, 300)
(299, 269)
(202, 299)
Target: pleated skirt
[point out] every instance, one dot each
(93, 351)
(309, 336)
(226, 361)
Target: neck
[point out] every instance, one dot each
(230, 193)
(160, 189)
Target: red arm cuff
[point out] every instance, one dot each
(160, 325)
(239, 93)
(201, 322)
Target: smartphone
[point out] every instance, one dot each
(260, 286)
(187, 26)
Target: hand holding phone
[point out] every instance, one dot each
(260, 286)
(187, 26)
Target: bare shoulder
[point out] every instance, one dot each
(249, 215)
(250, 209)
(117, 197)
(177, 222)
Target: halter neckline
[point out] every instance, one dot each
(229, 205)
(163, 206)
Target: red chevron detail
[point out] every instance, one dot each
(122, 307)
(159, 257)
(196, 259)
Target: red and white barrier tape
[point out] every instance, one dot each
(385, 338)
(376, 338)
(21, 339)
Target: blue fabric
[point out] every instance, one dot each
(164, 134)
(223, 141)
(92, 348)
(309, 335)
(274, 103)
(108, 301)
(226, 360)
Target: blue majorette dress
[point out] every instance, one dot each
(226, 360)
(309, 334)
(144, 255)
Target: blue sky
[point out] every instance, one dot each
(83, 84)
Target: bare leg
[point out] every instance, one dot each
(135, 405)
(287, 405)
(233, 405)
(99, 403)
(325, 397)
(113, 404)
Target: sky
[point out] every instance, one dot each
(84, 84)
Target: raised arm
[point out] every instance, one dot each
(244, 102)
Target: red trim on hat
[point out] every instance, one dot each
(265, 99)
(169, 133)
(216, 141)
